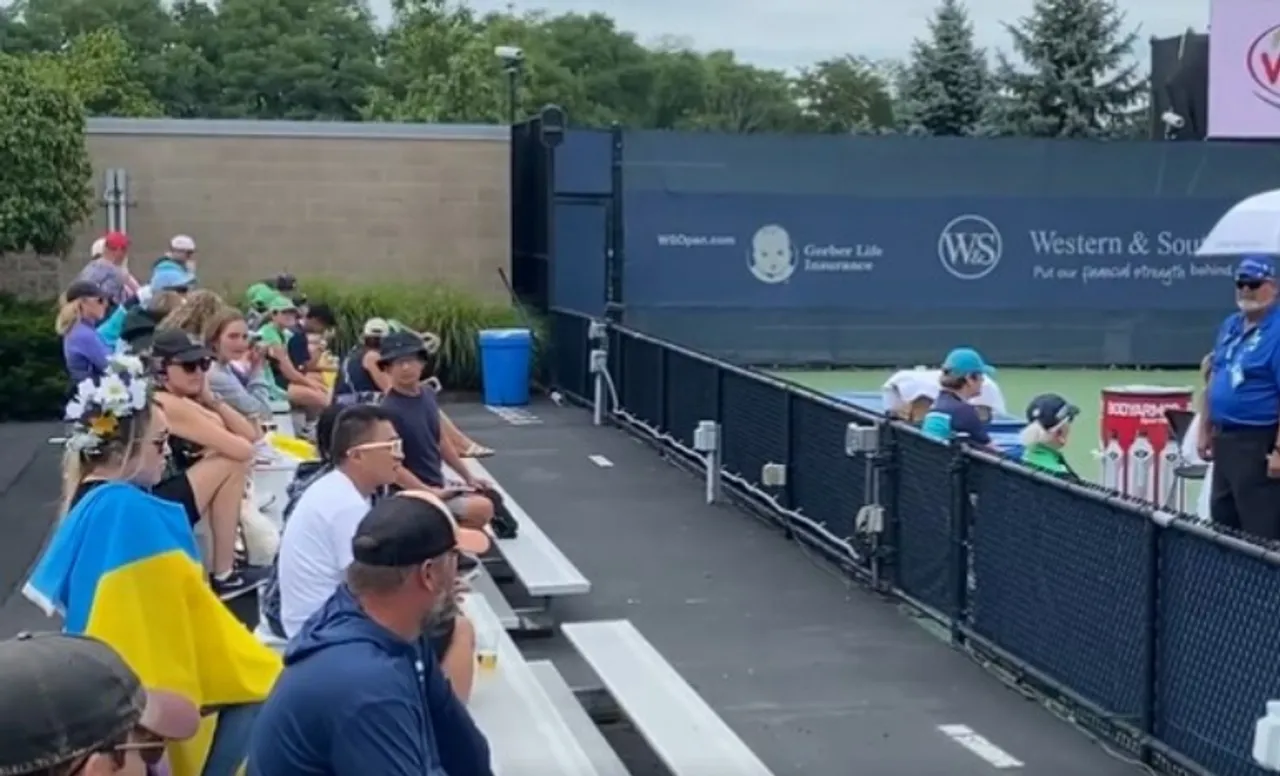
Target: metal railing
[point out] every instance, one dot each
(1153, 631)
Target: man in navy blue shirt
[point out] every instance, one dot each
(1243, 405)
(952, 414)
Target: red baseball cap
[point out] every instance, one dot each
(116, 241)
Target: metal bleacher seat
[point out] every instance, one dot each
(681, 729)
(541, 568)
(593, 742)
(527, 734)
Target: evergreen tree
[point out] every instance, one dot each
(945, 82)
(1081, 78)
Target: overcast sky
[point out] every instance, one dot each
(793, 33)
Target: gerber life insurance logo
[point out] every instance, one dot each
(772, 258)
(970, 247)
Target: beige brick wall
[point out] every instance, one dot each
(364, 202)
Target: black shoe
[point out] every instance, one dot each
(243, 579)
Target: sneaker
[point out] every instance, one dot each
(243, 579)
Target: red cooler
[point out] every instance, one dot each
(1139, 454)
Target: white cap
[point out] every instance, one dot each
(99, 248)
(182, 242)
(376, 327)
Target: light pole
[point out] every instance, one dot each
(512, 58)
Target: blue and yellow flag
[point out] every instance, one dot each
(123, 566)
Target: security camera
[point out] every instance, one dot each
(1172, 120)
(510, 55)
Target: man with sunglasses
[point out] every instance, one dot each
(1242, 437)
(70, 706)
(360, 693)
(315, 548)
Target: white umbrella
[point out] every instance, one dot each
(1252, 225)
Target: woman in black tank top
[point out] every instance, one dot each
(211, 453)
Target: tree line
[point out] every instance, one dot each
(1071, 74)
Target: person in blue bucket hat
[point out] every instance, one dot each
(953, 414)
(1242, 400)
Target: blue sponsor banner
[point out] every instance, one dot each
(771, 251)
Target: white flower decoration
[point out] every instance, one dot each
(114, 395)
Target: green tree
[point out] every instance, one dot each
(44, 162)
(101, 71)
(184, 77)
(1080, 78)
(742, 98)
(845, 95)
(946, 80)
(294, 59)
(438, 66)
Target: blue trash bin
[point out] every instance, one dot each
(505, 356)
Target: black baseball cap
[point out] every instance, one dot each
(409, 528)
(66, 697)
(1051, 410)
(85, 289)
(176, 346)
(401, 344)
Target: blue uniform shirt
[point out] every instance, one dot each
(1244, 389)
(951, 416)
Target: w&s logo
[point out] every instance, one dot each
(970, 247)
(1263, 63)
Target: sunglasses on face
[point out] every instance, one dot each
(393, 446)
(1252, 285)
(151, 752)
(191, 367)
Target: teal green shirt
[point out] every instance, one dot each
(1049, 460)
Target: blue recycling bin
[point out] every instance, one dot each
(505, 356)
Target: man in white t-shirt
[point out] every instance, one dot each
(909, 386)
(315, 548)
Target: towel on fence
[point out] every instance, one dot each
(123, 566)
(1191, 455)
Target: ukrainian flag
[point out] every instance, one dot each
(123, 566)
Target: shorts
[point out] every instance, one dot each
(178, 490)
(441, 638)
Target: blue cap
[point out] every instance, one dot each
(967, 361)
(167, 276)
(1051, 410)
(1256, 268)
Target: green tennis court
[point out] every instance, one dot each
(1080, 386)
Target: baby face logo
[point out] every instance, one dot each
(1263, 64)
(772, 259)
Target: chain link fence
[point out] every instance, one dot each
(1156, 630)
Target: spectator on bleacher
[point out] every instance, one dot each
(303, 477)
(69, 706)
(359, 695)
(226, 335)
(109, 272)
(317, 326)
(417, 418)
(302, 392)
(909, 393)
(952, 413)
(122, 565)
(1243, 399)
(211, 450)
(181, 255)
(360, 373)
(195, 312)
(139, 325)
(1049, 419)
(315, 548)
(256, 299)
(83, 350)
(112, 329)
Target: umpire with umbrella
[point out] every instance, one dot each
(1242, 437)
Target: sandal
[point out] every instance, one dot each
(477, 451)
